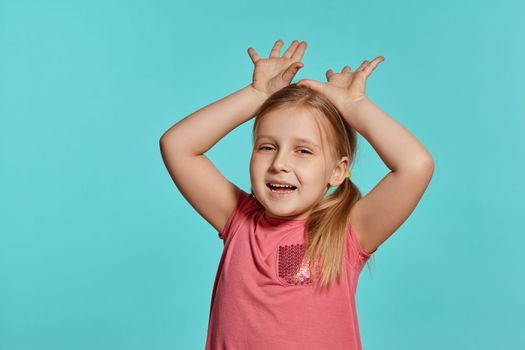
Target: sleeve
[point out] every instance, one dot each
(355, 252)
(246, 206)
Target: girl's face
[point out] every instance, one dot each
(288, 149)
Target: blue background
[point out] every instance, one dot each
(98, 248)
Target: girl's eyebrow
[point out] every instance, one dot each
(301, 139)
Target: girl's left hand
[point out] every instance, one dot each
(275, 72)
(346, 87)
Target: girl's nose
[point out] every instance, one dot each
(280, 162)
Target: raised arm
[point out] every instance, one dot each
(381, 211)
(184, 144)
(378, 214)
(183, 147)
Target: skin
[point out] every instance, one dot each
(380, 212)
(375, 217)
(312, 174)
(309, 167)
(275, 72)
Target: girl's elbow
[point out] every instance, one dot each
(427, 165)
(424, 165)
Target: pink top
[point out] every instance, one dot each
(263, 300)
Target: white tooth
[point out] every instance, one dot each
(274, 190)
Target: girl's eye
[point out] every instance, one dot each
(301, 150)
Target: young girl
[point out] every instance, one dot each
(293, 252)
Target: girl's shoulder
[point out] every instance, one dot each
(247, 206)
(354, 250)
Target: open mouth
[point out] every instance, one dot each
(281, 188)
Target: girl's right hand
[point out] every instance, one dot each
(274, 73)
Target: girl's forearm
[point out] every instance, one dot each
(199, 131)
(396, 146)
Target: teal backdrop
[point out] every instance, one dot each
(98, 248)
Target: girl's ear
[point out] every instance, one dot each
(339, 172)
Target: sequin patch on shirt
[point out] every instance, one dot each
(289, 265)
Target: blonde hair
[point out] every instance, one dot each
(327, 224)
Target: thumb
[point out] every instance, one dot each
(312, 84)
(292, 70)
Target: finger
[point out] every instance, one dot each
(329, 74)
(292, 71)
(299, 51)
(346, 69)
(312, 84)
(369, 69)
(362, 66)
(288, 53)
(253, 55)
(276, 49)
